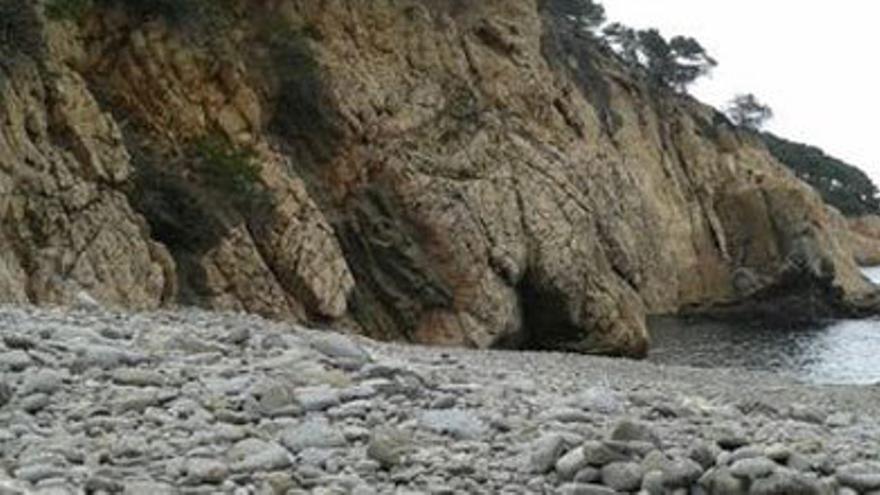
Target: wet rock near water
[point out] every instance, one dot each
(195, 402)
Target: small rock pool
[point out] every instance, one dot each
(839, 352)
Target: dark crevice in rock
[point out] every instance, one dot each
(491, 36)
(396, 281)
(179, 216)
(618, 257)
(782, 240)
(304, 116)
(571, 120)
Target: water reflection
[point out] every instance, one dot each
(846, 351)
(873, 273)
(839, 352)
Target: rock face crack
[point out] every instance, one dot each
(396, 282)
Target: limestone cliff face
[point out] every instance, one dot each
(63, 217)
(439, 171)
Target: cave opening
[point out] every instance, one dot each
(546, 319)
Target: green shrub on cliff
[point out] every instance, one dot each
(585, 15)
(303, 112)
(747, 111)
(674, 63)
(840, 184)
(188, 13)
(668, 63)
(227, 168)
(68, 9)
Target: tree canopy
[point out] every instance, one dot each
(678, 62)
(586, 15)
(674, 63)
(840, 184)
(747, 111)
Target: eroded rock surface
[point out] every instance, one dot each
(457, 173)
(65, 223)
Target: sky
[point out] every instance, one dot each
(813, 62)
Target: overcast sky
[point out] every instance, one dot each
(814, 62)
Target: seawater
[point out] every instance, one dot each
(835, 352)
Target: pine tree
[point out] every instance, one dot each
(747, 111)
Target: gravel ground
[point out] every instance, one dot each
(195, 402)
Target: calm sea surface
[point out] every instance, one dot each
(845, 351)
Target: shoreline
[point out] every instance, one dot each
(829, 352)
(190, 401)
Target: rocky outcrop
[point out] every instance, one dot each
(65, 224)
(440, 172)
(863, 235)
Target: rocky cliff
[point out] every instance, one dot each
(439, 171)
(863, 235)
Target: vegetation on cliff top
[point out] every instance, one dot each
(675, 63)
(672, 63)
(199, 21)
(678, 62)
(747, 111)
(173, 11)
(840, 184)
